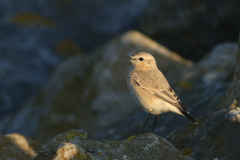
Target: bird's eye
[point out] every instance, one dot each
(141, 59)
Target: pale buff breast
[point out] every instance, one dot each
(143, 98)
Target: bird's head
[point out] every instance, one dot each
(142, 61)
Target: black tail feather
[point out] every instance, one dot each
(188, 116)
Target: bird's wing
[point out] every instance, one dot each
(165, 93)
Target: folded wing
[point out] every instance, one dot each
(165, 93)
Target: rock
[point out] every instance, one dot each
(232, 97)
(26, 63)
(73, 145)
(16, 146)
(65, 146)
(36, 36)
(215, 137)
(200, 88)
(216, 67)
(191, 28)
(65, 151)
(200, 101)
(91, 92)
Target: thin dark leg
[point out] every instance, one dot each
(142, 131)
(154, 122)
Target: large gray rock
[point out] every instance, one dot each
(26, 63)
(215, 137)
(232, 97)
(73, 145)
(200, 101)
(200, 88)
(217, 134)
(90, 92)
(216, 67)
(37, 35)
(191, 28)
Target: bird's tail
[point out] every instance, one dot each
(189, 117)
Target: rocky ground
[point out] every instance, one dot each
(90, 93)
(73, 145)
(84, 109)
(36, 36)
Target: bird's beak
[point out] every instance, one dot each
(128, 58)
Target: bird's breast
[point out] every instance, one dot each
(142, 98)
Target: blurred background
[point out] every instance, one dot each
(37, 36)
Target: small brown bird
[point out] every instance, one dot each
(150, 89)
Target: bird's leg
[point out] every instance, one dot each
(154, 122)
(142, 131)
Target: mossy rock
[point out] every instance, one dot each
(32, 20)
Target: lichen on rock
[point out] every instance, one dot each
(32, 20)
(215, 137)
(144, 146)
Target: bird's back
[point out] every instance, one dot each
(153, 78)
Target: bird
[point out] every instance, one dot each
(151, 90)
